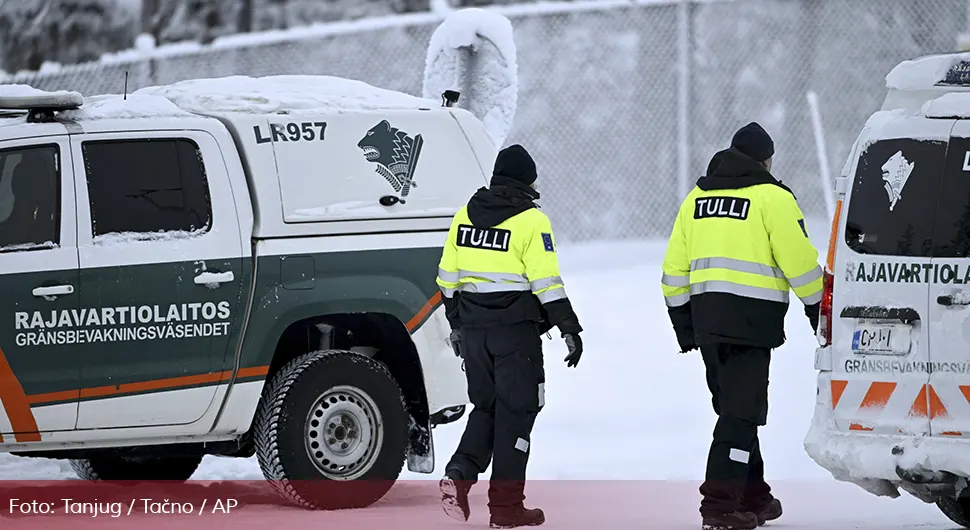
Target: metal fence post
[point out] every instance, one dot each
(683, 97)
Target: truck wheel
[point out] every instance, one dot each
(331, 431)
(136, 469)
(956, 509)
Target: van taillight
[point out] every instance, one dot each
(825, 310)
(824, 334)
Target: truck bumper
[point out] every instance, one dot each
(881, 463)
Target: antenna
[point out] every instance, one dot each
(126, 85)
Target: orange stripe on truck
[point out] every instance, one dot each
(928, 404)
(965, 390)
(170, 383)
(838, 387)
(146, 386)
(16, 405)
(878, 395)
(423, 313)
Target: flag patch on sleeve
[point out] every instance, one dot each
(547, 242)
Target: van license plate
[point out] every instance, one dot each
(882, 339)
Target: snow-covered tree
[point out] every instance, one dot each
(65, 31)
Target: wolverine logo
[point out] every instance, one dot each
(394, 154)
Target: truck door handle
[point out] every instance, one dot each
(947, 300)
(211, 278)
(55, 290)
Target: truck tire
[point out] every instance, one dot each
(956, 509)
(140, 469)
(331, 431)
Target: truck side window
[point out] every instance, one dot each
(146, 186)
(952, 238)
(896, 185)
(30, 198)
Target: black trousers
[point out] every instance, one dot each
(738, 379)
(506, 385)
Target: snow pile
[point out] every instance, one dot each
(360, 209)
(440, 6)
(473, 52)
(282, 94)
(27, 91)
(28, 246)
(127, 238)
(212, 280)
(952, 105)
(146, 48)
(17, 96)
(116, 106)
(922, 73)
(876, 121)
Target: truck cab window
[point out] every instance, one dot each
(146, 186)
(29, 198)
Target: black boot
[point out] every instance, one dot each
(766, 511)
(516, 516)
(454, 498)
(730, 521)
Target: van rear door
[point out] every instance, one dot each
(883, 272)
(948, 393)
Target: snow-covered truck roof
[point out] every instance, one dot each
(283, 94)
(934, 86)
(223, 97)
(270, 95)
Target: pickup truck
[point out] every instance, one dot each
(233, 267)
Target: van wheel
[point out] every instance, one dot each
(331, 431)
(136, 469)
(956, 509)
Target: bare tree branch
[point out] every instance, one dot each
(34, 23)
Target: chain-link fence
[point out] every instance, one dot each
(601, 103)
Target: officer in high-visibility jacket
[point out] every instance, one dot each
(499, 276)
(737, 247)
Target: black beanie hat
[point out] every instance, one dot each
(754, 141)
(515, 163)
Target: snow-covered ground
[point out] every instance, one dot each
(634, 411)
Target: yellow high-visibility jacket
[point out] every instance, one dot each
(504, 274)
(733, 255)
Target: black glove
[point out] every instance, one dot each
(688, 348)
(575, 345)
(455, 339)
(812, 312)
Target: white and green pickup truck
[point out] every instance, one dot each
(231, 267)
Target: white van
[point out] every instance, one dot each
(893, 400)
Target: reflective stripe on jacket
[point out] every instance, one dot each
(516, 258)
(733, 255)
